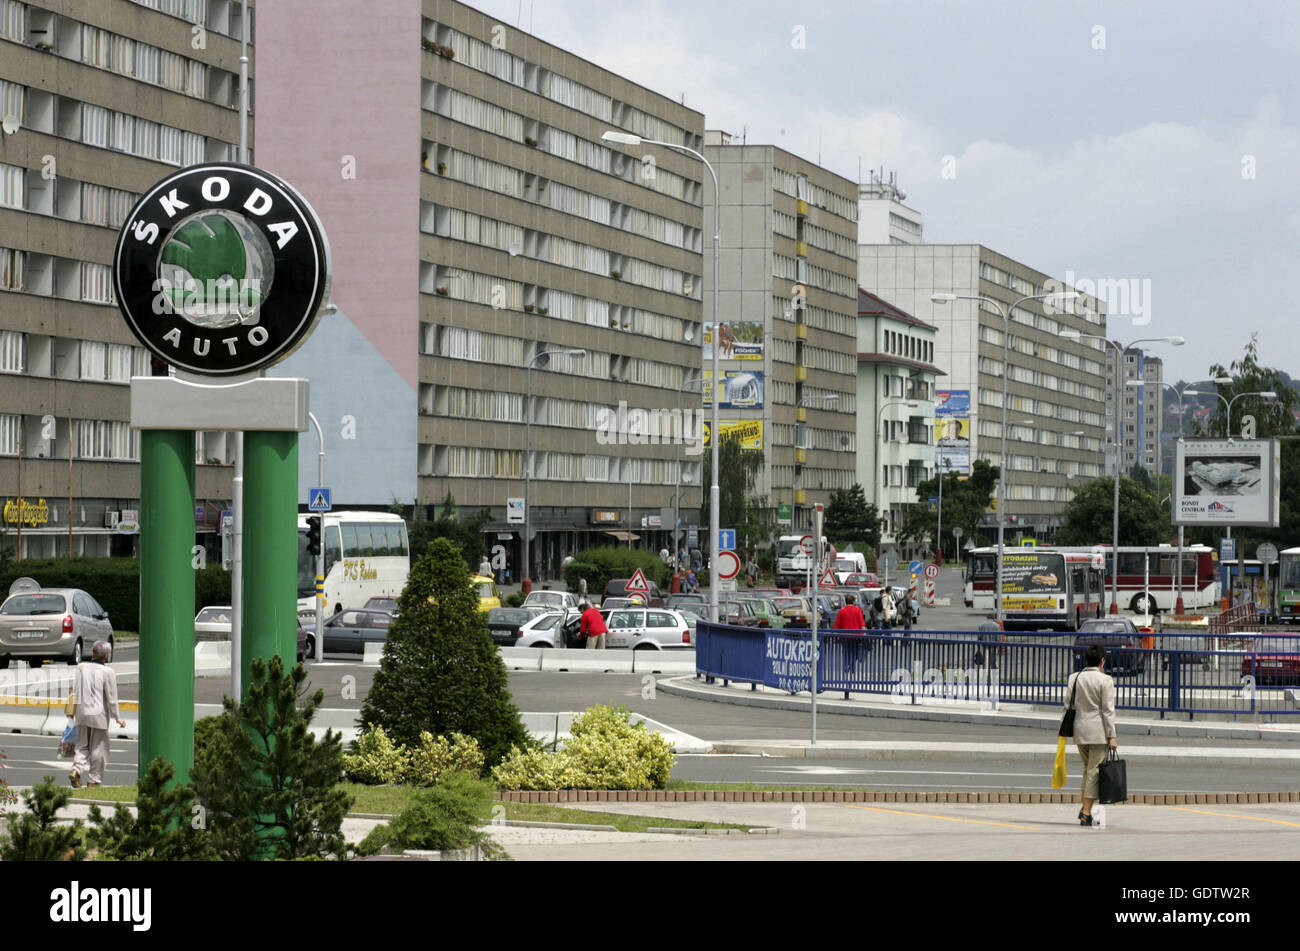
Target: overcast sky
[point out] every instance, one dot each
(1171, 155)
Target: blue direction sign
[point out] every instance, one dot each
(318, 499)
(915, 568)
(726, 539)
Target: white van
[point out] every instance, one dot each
(847, 563)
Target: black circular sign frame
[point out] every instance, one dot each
(221, 269)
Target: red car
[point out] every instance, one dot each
(770, 592)
(1275, 669)
(861, 579)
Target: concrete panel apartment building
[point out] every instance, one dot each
(484, 228)
(1141, 408)
(788, 299)
(100, 100)
(1056, 387)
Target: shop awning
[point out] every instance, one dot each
(625, 536)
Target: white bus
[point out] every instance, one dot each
(366, 556)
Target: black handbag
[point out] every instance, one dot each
(1067, 721)
(1112, 779)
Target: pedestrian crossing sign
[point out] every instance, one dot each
(318, 499)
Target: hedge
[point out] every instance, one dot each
(113, 582)
(601, 565)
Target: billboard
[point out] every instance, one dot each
(741, 389)
(1227, 482)
(952, 402)
(741, 340)
(954, 431)
(748, 431)
(954, 461)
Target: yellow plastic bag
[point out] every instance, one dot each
(1058, 767)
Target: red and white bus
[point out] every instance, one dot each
(1143, 571)
(1050, 588)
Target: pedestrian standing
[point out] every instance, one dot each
(1092, 692)
(692, 583)
(95, 688)
(751, 573)
(849, 617)
(592, 627)
(582, 588)
(485, 567)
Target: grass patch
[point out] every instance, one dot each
(106, 793)
(545, 812)
(378, 800)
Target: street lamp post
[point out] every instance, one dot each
(1006, 365)
(697, 380)
(320, 552)
(1120, 349)
(627, 138)
(528, 450)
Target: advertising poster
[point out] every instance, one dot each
(955, 461)
(741, 389)
(741, 340)
(952, 403)
(787, 662)
(1227, 482)
(1032, 580)
(953, 431)
(748, 431)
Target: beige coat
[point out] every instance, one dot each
(1094, 706)
(96, 688)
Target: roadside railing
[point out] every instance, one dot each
(1238, 673)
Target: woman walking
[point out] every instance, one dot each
(1091, 692)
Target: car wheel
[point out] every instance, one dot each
(646, 647)
(1135, 605)
(75, 657)
(310, 650)
(541, 644)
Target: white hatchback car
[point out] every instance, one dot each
(553, 629)
(551, 599)
(648, 629)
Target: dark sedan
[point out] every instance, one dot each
(1121, 639)
(504, 623)
(349, 631)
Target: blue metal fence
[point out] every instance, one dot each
(1182, 673)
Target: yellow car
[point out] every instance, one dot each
(488, 595)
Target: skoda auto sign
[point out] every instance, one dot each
(221, 269)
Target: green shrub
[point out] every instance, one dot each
(36, 835)
(165, 827)
(605, 751)
(601, 565)
(440, 671)
(443, 817)
(113, 582)
(437, 757)
(513, 600)
(378, 761)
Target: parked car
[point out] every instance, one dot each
(213, 623)
(1272, 669)
(552, 629)
(349, 631)
(38, 624)
(609, 604)
(675, 602)
(617, 588)
(489, 596)
(302, 641)
(1121, 639)
(647, 629)
(551, 600)
(861, 579)
(768, 615)
(770, 592)
(382, 604)
(505, 624)
(737, 612)
(795, 610)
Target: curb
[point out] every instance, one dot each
(928, 753)
(677, 688)
(863, 795)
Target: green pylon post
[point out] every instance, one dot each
(167, 600)
(270, 550)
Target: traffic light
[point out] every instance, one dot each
(313, 536)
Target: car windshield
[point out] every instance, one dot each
(485, 589)
(508, 616)
(546, 622)
(214, 615)
(544, 597)
(35, 604)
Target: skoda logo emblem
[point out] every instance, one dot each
(221, 269)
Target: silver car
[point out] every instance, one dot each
(54, 623)
(648, 629)
(553, 629)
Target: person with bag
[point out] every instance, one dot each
(592, 627)
(1090, 719)
(887, 610)
(95, 692)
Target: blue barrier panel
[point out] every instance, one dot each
(1184, 673)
